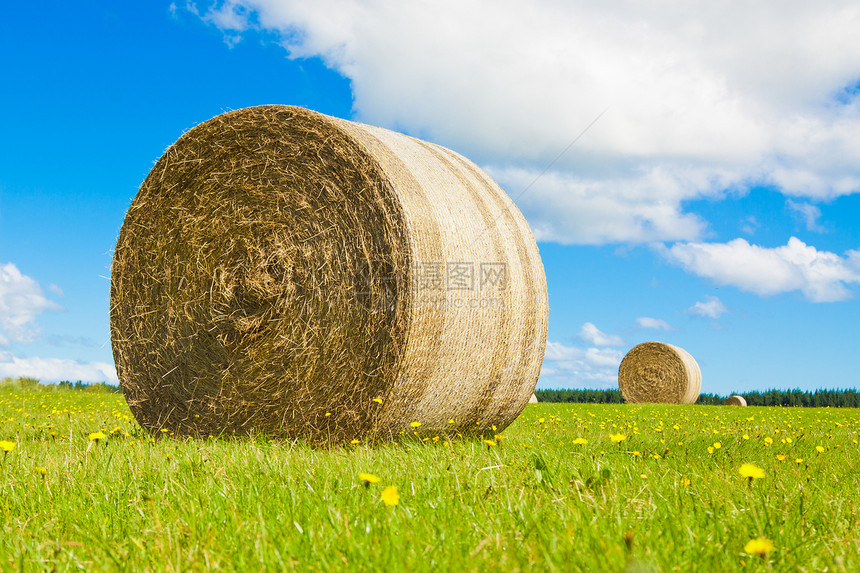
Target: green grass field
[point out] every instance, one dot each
(668, 496)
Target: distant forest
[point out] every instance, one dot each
(817, 399)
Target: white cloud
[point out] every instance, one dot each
(820, 275)
(571, 367)
(711, 307)
(21, 301)
(593, 335)
(655, 323)
(56, 369)
(749, 225)
(700, 97)
(808, 213)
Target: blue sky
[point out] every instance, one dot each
(714, 205)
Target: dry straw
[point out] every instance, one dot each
(291, 274)
(736, 400)
(658, 372)
(533, 399)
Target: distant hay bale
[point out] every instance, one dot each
(287, 273)
(533, 399)
(736, 400)
(658, 372)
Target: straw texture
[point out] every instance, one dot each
(658, 372)
(736, 400)
(292, 274)
(533, 399)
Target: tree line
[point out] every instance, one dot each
(28, 383)
(799, 398)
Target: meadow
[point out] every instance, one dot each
(567, 487)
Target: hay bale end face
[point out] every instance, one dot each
(654, 372)
(736, 400)
(292, 274)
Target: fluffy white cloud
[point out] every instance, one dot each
(711, 307)
(698, 98)
(21, 301)
(820, 275)
(593, 335)
(655, 323)
(56, 369)
(572, 367)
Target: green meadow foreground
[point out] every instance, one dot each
(566, 487)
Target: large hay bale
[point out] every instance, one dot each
(658, 372)
(533, 399)
(279, 270)
(736, 400)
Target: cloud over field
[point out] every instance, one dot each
(820, 275)
(593, 366)
(21, 301)
(56, 369)
(700, 99)
(654, 323)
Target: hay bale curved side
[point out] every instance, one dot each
(658, 372)
(274, 274)
(736, 400)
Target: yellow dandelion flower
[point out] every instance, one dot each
(717, 445)
(750, 471)
(96, 436)
(636, 453)
(685, 482)
(451, 421)
(617, 437)
(710, 449)
(580, 441)
(768, 440)
(353, 442)
(7, 446)
(643, 476)
(788, 440)
(780, 457)
(746, 436)
(378, 400)
(541, 420)
(490, 443)
(819, 449)
(760, 546)
(327, 414)
(40, 470)
(415, 424)
(368, 478)
(390, 496)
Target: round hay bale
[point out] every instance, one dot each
(658, 372)
(287, 273)
(533, 399)
(736, 400)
